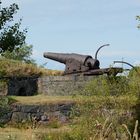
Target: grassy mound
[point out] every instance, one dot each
(18, 68)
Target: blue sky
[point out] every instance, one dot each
(81, 26)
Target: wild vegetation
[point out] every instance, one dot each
(107, 109)
(18, 68)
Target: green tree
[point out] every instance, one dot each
(10, 35)
(22, 53)
(12, 39)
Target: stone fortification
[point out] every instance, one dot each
(48, 85)
(62, 85)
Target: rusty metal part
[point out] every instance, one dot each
(128, 64)
(125, 63)
(99, 49)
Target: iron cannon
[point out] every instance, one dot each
(78, 63)
(74, 62)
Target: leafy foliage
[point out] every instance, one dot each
(22, 54)
(11, 37)
(104, 86)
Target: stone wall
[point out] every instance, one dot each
(62, 85)
(48, 85)
(18, 113)
(39, 114)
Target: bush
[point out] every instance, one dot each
(112, 86)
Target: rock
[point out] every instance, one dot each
(5, 118)
(37, 113)
(19, 117)
(44, 118)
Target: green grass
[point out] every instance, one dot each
(91, 117)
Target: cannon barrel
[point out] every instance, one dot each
(56, 56)
(86, 60)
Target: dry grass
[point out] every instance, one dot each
(18, 68)
(117, 102)
(28, 134)
(43, 99)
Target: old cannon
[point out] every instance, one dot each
(78, 63)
